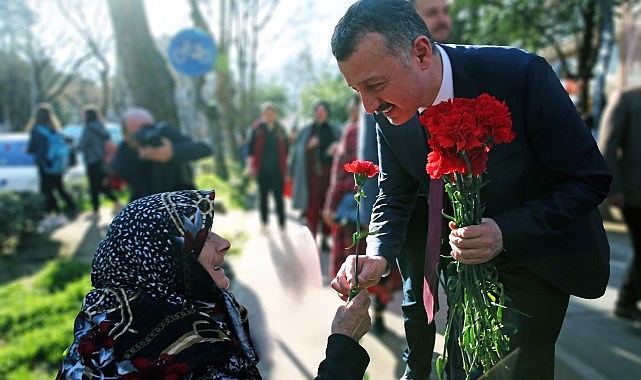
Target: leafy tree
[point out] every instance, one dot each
(332, 89)
(33, 70)
(535, 25)
(95, 31)
(239, 25)
(15, 106)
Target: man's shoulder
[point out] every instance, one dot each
(489, 53)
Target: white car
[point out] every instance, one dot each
(18, 171)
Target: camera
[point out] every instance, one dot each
(149, 135)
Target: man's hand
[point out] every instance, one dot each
(352, 319)
(476, 244)
(370, 270)
(162, 153)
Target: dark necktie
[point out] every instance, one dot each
(432, 253)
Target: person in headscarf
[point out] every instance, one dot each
(160, 308)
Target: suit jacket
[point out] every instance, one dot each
(619, 139)
(544, 187)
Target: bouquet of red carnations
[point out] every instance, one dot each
(461, 133)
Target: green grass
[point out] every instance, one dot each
(36, 319)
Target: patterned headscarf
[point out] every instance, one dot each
(145, 239)
(155, 311)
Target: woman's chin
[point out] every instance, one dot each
(220, 279)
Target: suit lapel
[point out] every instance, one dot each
(409, 143)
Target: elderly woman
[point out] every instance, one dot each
(160, 308)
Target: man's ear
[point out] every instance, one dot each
(422, 50)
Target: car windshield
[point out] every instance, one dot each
(13, 153)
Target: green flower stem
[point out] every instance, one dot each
(475, 295)
(359, 180)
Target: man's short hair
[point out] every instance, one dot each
(268, 105)
(396, 20)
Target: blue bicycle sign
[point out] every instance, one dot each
(192, 52)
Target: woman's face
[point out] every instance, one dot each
(212, 258)
(321, 114)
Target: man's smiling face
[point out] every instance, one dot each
(386, 83)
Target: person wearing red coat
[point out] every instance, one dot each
(267, 161)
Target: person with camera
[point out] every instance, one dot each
(155, 157)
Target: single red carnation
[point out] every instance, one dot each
(366, 168)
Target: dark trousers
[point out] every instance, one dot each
(630, 292)
(537, 333)
(50, 183)
(96, 176)
(419, 334)
(271, 183)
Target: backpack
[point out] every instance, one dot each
(58, 151)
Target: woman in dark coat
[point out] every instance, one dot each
(160, 309)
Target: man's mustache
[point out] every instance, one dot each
(383, 107)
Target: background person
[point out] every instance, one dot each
(436, 14)
(267, 161)
(542, 228)
(160, 308)
(310, 163)
(619, 141)
(43, 123)
(91, 144)
(343, 228)
(155, 157)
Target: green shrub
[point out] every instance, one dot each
(231, 193)
(20, 213)
(57, 273)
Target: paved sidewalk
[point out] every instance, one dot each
(279, 278)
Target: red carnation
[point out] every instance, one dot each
(362, 170)
(366, 168)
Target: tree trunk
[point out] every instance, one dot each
(145, 69)
(210, 111)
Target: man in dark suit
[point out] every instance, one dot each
(541, 225)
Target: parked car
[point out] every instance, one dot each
(18, 171)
